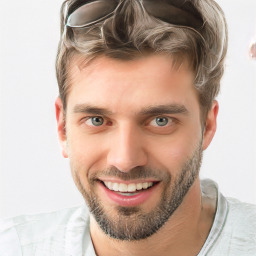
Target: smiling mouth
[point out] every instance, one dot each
(128, 189)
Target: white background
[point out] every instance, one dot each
(33, 175)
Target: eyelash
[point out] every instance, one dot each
(170, 120)
(91, 118)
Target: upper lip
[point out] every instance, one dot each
(114, 180)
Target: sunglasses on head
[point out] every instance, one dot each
(176, 12)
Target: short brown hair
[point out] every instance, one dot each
(132, 33)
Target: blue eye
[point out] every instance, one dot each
(95, 121)
(162, 121)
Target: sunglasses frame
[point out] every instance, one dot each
(85, 6)
(190, 19)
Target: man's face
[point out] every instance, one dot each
(134, 138)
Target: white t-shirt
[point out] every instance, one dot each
(66, 232)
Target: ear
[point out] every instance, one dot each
(60, 116)
(210, 124)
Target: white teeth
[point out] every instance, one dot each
(116, 187)
(121, 187)
(131, 188)
(145, 185)
(139, 186)
(110, 185)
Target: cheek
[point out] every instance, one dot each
(173, 153)
(84, 152)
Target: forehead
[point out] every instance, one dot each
(147, 80)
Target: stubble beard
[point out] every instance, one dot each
(132, 223)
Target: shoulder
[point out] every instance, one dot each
(26, 234)
(239, 233)
(234, 228)
(242, 217)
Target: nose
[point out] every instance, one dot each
(126, 149)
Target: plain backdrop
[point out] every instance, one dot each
(33, 175)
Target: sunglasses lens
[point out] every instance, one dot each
(91, 13)
(168, 12)
(177, 12)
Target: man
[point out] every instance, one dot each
(138, 81)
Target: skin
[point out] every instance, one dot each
(129, 138)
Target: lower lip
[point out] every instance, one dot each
(134, 200)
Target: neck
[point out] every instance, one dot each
(183, 234)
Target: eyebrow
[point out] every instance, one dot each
(82, 108)
(165, 109)
(150, 110)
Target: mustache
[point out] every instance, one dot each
(135, 173)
